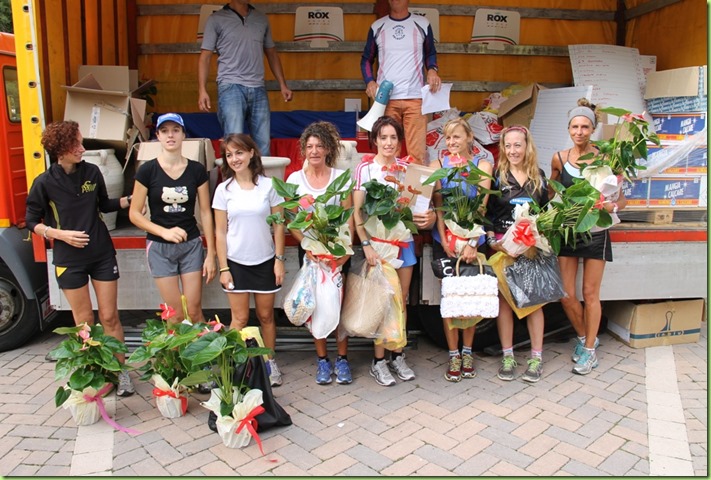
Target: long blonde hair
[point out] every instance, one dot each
(530, 160)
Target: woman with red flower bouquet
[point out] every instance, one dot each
(595, 250)
(385, 168)
(520, 181)
(456, 236)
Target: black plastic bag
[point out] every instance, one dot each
(445, 267)
(534, 281)
(257, 376)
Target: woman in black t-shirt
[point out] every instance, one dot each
(171, 184)
(63, 206)
(520, 180)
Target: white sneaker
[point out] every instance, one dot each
(274, 373)
(401, 369)
(125, 386)
(379, 371)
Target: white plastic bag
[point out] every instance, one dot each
(367, 301)
(329, 293)
(486, 127)
(300, 302)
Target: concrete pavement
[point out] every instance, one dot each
(642, 412)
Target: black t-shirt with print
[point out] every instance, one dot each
(500, 208)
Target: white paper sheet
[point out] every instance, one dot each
(615, 73)
(435, 102)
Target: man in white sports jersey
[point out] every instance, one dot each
(405, 49)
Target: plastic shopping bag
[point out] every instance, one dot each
(534, 281)
(300, 302)
(391, 334)
(499, 261)
(366, 301)
(329, 293)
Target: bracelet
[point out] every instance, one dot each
(45, 232)
(615, 207)
(226, 269)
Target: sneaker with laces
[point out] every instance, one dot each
(343, 372)
(454, 369)
(579, 347)
(508, 364)
(399, 366)
(324, 370)
(125, 386)
(379, 371)
(274, 373)
(468, 368)
(534, 370)
(586, 362)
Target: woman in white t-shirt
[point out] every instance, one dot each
(250, 260)
(319, 147)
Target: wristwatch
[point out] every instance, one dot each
(473, 242)
(615, 208)
(365, 243)
(280, 257)
(490, 240)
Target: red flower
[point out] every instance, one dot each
(412, 190)
(631, 117)
(166, 311)
(457, 161)
(465, 174)
(600, 201)
(391, 179)
(403, 201)
(308, 217)
(306, 201)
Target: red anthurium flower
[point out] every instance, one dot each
(403, 201)
(464, 174)
(166, 311)
(457, 161)
(412, 190)
(306, 201)
(631, 117)
(600, 201)
(308, 217)
(391, 179)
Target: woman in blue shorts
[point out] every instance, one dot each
(386, 135)
(171, 183)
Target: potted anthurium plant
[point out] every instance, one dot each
(323, 221)
(233, 402)
(464, 214)
(160, 360)
(88, 357)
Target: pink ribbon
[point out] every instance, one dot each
(523, 235)
(169, 393)
(97, 398)
(251, 423)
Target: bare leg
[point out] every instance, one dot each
(169, 288)
(106, 297)
(192, 289)
(239, 309)
(536, 325)
(451, 334)
(264, 303)
(571, 305)
(593, 270)
(80, 303)
(505, 323)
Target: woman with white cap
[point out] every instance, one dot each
(595, 250)
(174, 250)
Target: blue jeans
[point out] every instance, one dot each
(239, 106)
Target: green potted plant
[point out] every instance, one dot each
(88, 358)
(161, 361)
(233, 402)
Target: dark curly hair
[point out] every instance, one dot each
(328, 135)
(245, 142)
(60, 138)
(383, 122)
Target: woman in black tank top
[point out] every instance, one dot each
(595, 251)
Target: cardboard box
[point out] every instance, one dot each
(677, 91)
(519, 109)
(414, 176)
(636, 193)
(675, 192)
(695, 163)
(103, 105)
(678, 126)
(654, 324)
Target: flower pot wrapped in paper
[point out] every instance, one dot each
(237, 429)
(315, 298)
(523, 234)
(160, 358)
(84, 410)
(87, 357)
(171, 400)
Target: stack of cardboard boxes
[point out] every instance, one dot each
(677, 101)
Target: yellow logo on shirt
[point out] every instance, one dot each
(88, 187)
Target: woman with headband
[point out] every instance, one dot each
(595, 251)
(520, 181)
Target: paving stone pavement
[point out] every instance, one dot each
(603, 424)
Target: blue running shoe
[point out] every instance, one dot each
(579, 347)
(343, 372)
(586, 362)
(324, 372)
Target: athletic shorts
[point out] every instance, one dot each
(173, 259)
(105, 270)
(253, 278)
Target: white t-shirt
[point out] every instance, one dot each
(299, 178)
(249, 238)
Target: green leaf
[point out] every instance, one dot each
(61, 396)
(618, 112)
(438, 174)
(285, 190)
(588, 221)
(80, 379)
(205, 353)
(196, 378)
